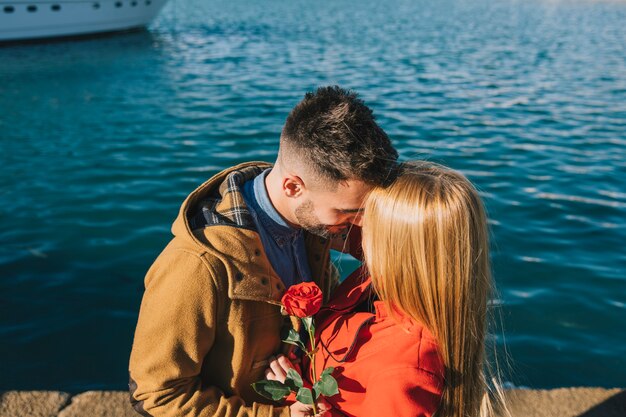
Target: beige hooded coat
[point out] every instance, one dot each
(209, 320)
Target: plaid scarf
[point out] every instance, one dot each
(226, 206)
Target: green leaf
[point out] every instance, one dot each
(316, 391)
(305, 396)
(326, 386)
(273, 390)
(293, 338)
(327, 371)
(293, 343)
(295, 376)
(291, 384)
(309, 325)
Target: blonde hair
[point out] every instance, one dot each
(425, 239)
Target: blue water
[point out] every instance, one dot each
(102, 139)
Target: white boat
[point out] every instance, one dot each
(34, 19)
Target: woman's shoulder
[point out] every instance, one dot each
(409, 343)
(407, 375)
(429, 355)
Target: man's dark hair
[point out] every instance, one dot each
(336, 134)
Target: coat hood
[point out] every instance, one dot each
(218, 202)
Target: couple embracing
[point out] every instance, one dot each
(404, 333)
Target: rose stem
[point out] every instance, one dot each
(313, 370)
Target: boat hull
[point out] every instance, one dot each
(25, 20)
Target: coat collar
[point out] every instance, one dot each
(354, 290)
(228, 234)
(266, 214)
(219, 199)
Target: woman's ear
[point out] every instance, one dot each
(293, 186)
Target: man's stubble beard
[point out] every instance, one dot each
(308, 220)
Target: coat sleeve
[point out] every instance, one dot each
(402, 392)
(175, 331)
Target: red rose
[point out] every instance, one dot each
(302, 300)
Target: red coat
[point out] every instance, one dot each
(382, 368)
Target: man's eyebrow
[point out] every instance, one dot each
(356, 210)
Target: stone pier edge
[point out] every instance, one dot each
(561, 402)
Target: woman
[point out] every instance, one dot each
(421, 351)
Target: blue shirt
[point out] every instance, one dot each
(283, 244)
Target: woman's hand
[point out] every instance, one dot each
(278, 368)
(298, 409)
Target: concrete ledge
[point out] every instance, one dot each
(562, 402)
(99, 404)
(568, 402)
(32, 403)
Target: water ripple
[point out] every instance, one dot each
(99, 149)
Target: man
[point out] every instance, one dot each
(209, 318)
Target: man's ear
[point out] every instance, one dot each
(293, 186)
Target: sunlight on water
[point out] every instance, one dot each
(102, 139)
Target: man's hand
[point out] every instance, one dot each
(278, 368)
(277, 371)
